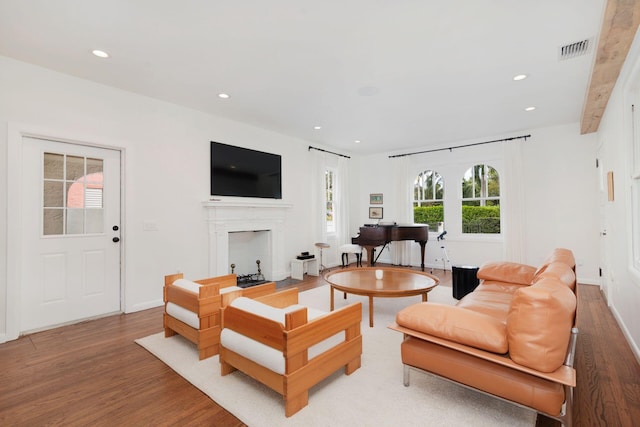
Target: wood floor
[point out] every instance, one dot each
(92, 373)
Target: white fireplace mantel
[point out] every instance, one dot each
(224, 217)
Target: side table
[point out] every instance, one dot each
(300, 266)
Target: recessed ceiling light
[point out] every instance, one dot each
(357, 141)
(529, 108)
(100, 53)
(317, 127)
(223, 95)
(520, 77)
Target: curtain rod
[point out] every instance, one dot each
(330, 152)
(462, 146)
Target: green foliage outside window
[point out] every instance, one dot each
(481, 200)
(481, 219)
(475, 219)
(431, 215)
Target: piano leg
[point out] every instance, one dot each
(371, 254)
(422, 244)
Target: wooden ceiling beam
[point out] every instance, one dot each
(619, 26)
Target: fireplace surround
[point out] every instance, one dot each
(224, 217)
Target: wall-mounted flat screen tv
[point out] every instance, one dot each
(241, 172)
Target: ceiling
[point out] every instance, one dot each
(394, 75)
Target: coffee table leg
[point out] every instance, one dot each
(370, 311)
(331, 291)
(425, 297)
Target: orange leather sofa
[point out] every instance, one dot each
(513, 337)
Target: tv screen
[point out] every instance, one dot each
(241, 172)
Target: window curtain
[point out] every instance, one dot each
(342, 201)
(318, 161)
(403, 204)
(512, 202)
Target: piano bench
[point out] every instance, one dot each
(347, 249)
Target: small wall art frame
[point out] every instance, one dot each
(375, 198)
(375, 213)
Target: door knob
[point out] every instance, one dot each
(115, 228)
(116, 239)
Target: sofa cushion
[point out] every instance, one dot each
(456, 324)
(558, 271)
(489, 302)
(502, 287)
(564, 256)
(183, 315)
(188, 285)
(509, 272)
(539, 325)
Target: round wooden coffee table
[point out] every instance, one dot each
(395, 282)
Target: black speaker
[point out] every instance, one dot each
(465, 280)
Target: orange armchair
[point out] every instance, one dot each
(289, 347)
(192, 309)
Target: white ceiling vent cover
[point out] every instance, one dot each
(574, 49)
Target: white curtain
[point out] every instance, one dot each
(320, 162)
(512, 202)
(342, 201)
(318, 209)
(401, 251)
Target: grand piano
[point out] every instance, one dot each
(372, 236)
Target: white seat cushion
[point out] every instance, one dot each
(188, 285)
(262, 354)
(195, 287)
(183, 315)
(350, 249)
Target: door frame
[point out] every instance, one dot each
(15, 133)
(603, 224)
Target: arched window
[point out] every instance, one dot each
(428, 200)
(481, 200)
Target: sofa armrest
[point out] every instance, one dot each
(456, 324)
(508, 272)
(565, 375)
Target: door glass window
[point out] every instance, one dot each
(72, 200)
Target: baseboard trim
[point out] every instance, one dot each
(144, 306)
(625, 332)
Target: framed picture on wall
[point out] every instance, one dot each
(375, 199)
(375, 213)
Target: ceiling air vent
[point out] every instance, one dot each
(574, 49)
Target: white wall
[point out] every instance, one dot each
(166, 171)
(167, 168)
(621, 283)
(560, 207)
(3, 228)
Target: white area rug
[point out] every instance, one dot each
(372, 396)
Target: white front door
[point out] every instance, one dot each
(70, 233)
